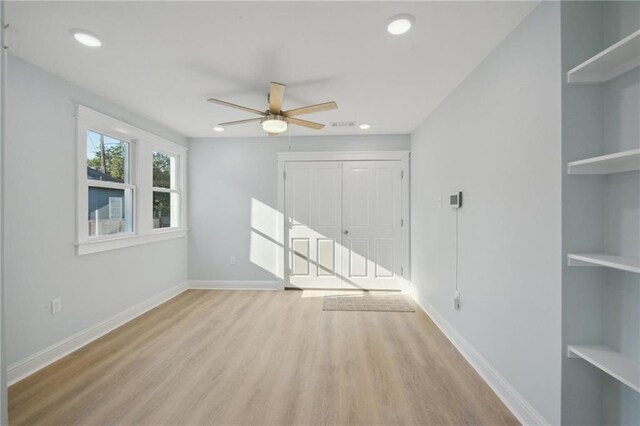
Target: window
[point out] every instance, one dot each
(166, 195)
(130, 185)
(110, 202)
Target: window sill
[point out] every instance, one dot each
(96, 246)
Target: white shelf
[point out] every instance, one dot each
(615, 262)
(611, 362)
(619, 162)
(610, 63)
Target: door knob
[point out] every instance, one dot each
(346, 232)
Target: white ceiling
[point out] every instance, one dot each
(164, 59)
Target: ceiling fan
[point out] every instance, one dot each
(274, 120)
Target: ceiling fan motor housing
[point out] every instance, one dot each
(269, 116)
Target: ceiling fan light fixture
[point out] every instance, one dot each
(400, 24)
(218, 129)
(365, 126)
(274, 124)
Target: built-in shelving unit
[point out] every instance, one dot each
(618, 162)
(611, 362)
(601, 152)
(610, 63)
(615, 262)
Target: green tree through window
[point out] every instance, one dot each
(162, 179)
(109, 156)
(161, 170)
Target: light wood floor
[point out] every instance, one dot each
(244, 357)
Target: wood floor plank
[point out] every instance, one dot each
(259, 357)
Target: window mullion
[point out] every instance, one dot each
(109, 185)
(168, 190)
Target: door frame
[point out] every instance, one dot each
(283, 232)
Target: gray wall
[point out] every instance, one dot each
(228, 178)
(40, 259)
(600, 214)
(3, 354)
(497, 137)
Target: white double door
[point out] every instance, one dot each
(344, 224)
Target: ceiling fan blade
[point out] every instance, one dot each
(276, 94)
(230, 105)
(304, 123)
(311, 108)
(233, 123)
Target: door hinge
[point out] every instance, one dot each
(401, 222)
(401, 174)
(284, 175)
(402, 271)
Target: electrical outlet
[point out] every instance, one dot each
(456, 300)
(232, 260)
(56, 306)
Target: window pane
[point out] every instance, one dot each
(161, 209)
(107, 158)
(164, 170)
(110, 211)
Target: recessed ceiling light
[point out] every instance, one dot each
(400, 24)
(365, 126)
(85, 37)
(219, 129)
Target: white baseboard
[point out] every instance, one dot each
(234, 285)
(39, 360)
(515, 402)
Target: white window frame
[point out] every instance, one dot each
(176, 187)
(142, 144)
